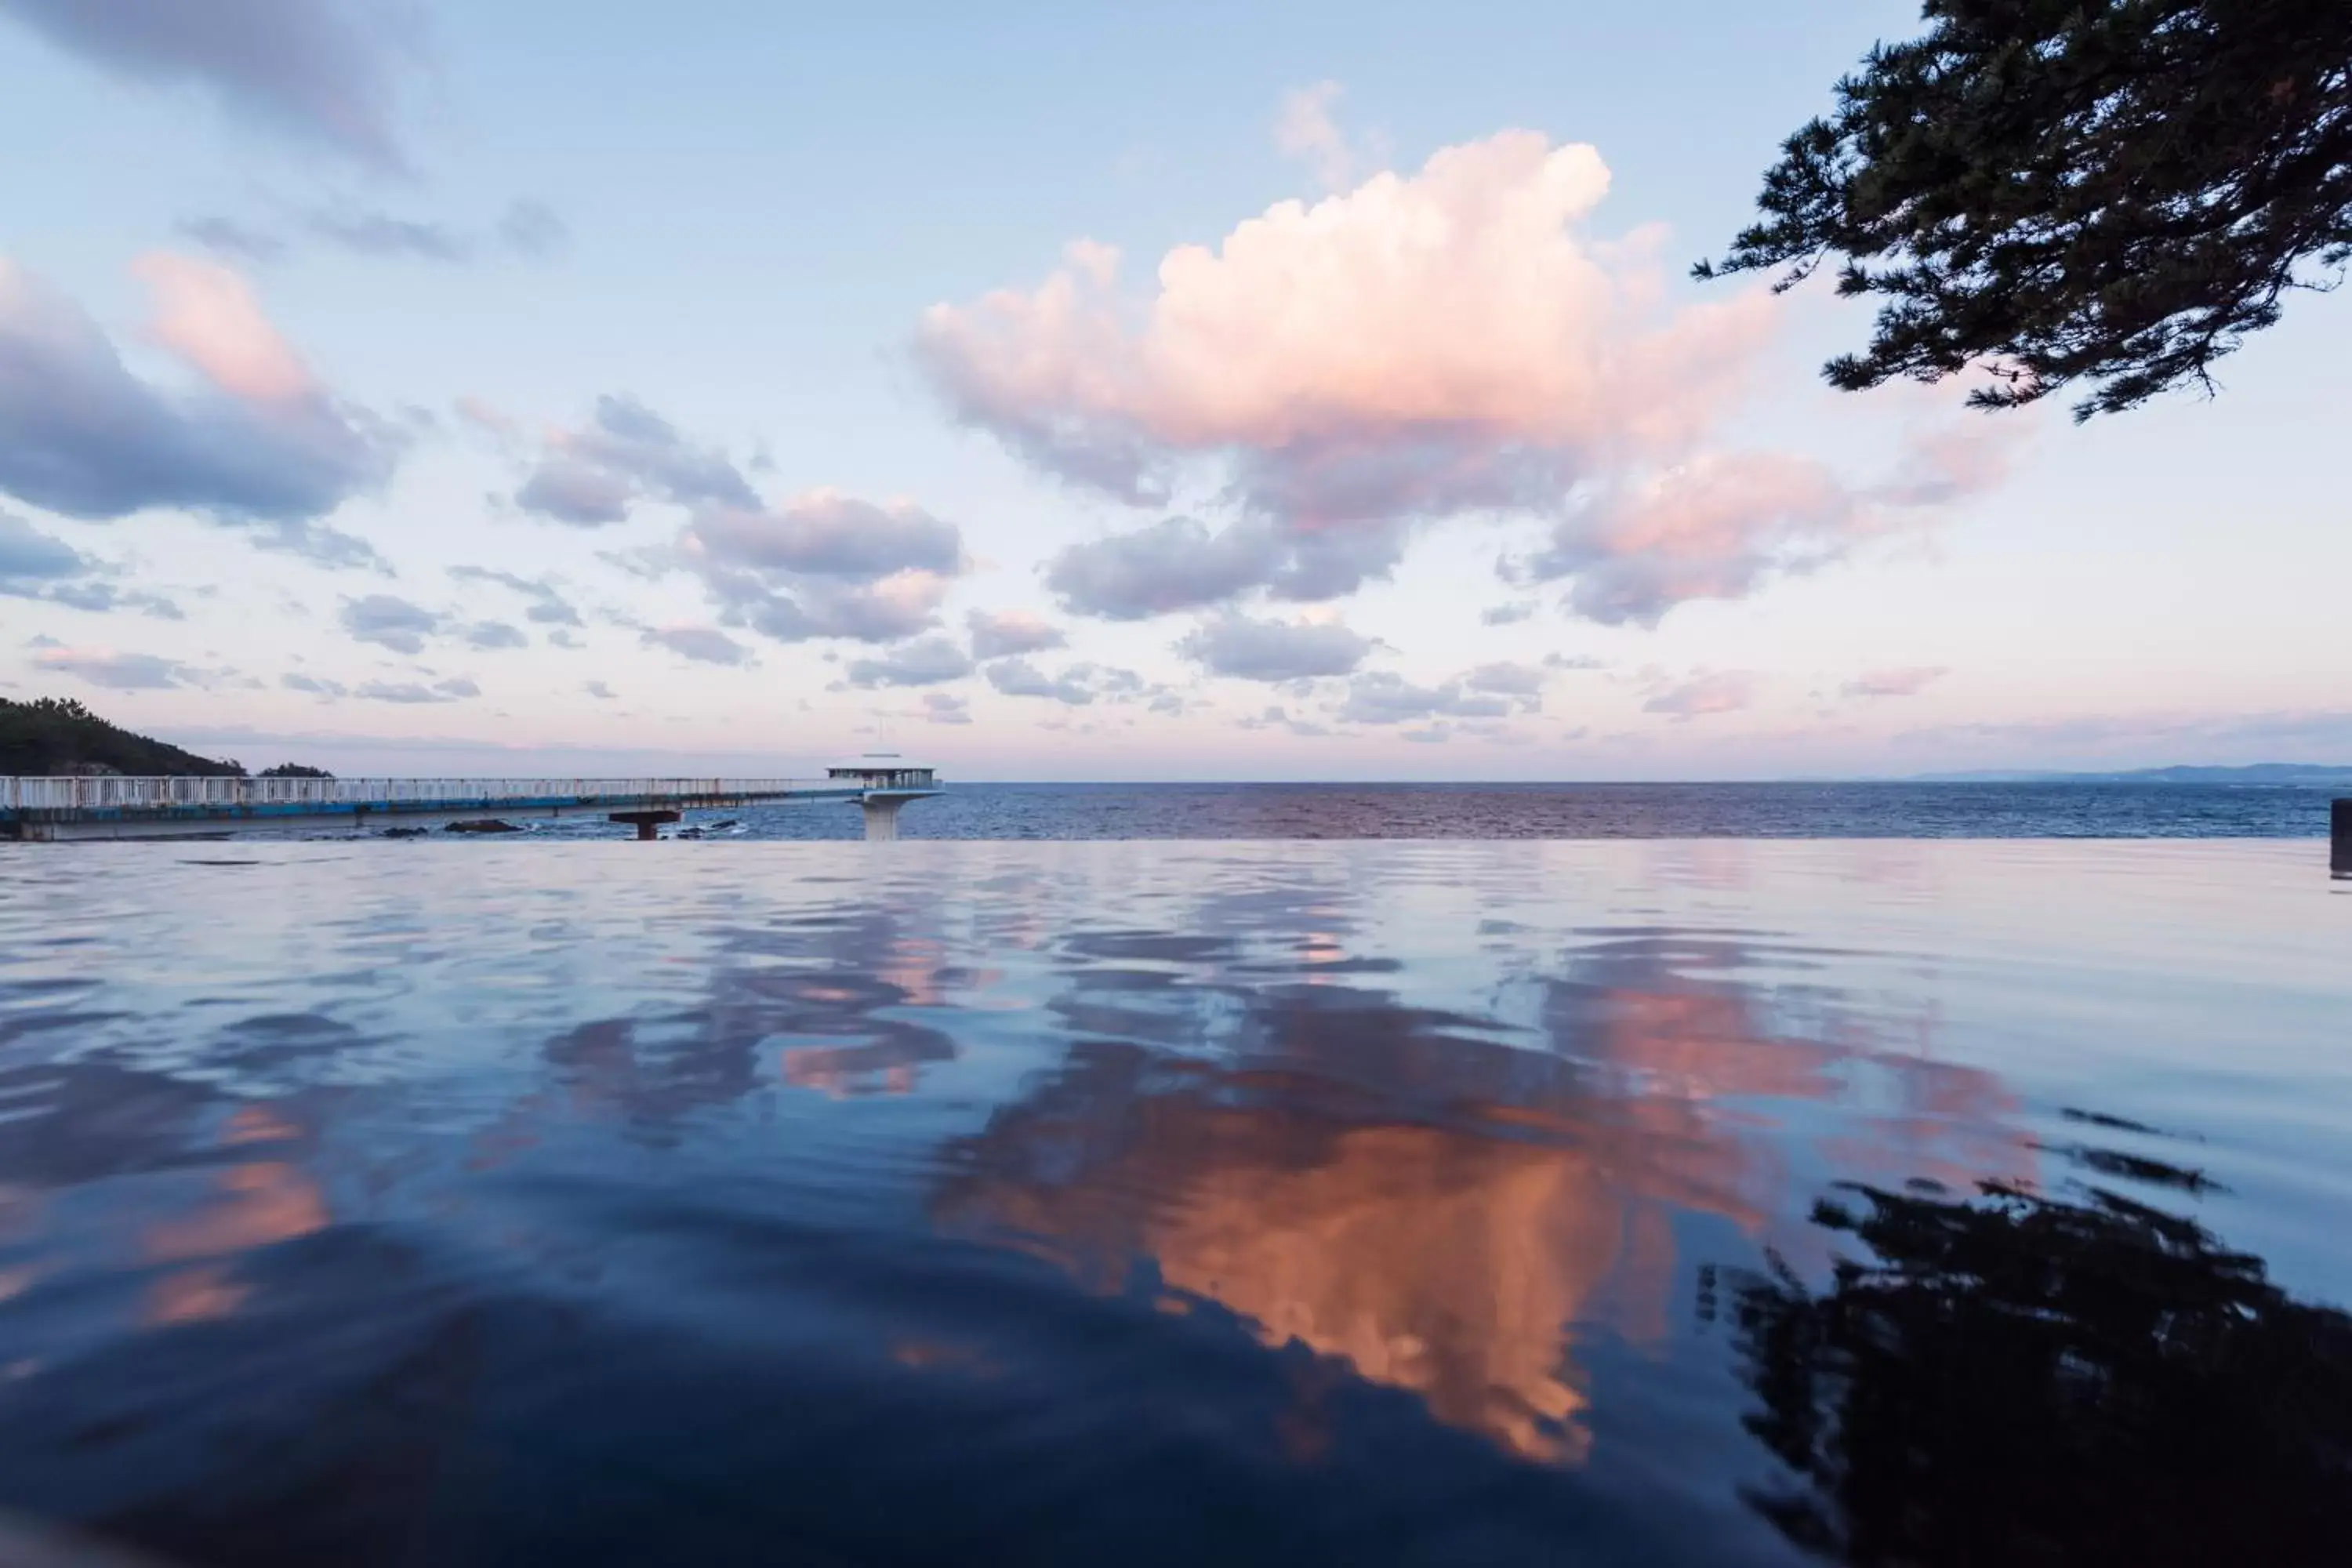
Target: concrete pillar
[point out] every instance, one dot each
(645, 822)
(2339, 839)
(881, 816)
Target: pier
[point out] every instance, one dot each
(115, 806)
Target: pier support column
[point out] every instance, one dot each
(2339, 839)
(881, 816)
(645, 822)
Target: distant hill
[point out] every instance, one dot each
(2315, 774)
(50, 736)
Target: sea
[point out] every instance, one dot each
(2063, 809)
(1684, 1175)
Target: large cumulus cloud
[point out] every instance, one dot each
(1336, 375)
(256, 441)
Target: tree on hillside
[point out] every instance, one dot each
(54, 735)
(2111, 192)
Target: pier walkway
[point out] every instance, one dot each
(116, 806)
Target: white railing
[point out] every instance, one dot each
(118, 793)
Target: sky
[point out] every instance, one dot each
(1296, 390)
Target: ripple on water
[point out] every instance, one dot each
(1431, 1203)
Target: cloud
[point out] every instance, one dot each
(529, 229)
(1173, 565)
(626, 453)
(1019, 678)
(703, 644)
(533, 229)
(35, 566)
(1507, 679)
(1278, 718)
(1235, 645)
(549, 607)
(1908, 682)
(1510, 614)
(577, 493)
(31, 559)
(1381, 698)
(1711, 529)
(1449, 343)
(824, 566)
(226, 236)
(1422, 347)
(411, 692)
(323, 70)
(495, 634)
(318, 686)
(1009, 632)
(1700, 695)
(598, 690)
(1305, 129)
(390, 621)
(116, 672)
(381, 234)
(946, 708)
(262, 443)
(926, 662)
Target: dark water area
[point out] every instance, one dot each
(1641, 1202)
(1564, 811)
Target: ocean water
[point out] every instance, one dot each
(1224, 811)
(1645, 1201)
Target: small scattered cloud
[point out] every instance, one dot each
(490, 635)
(1379, 697)
(548, 605)
(533, 229)
(598, 690)
(1507, 615)
(1508, 678)
(1019, 678)
(928, 661)
(116, 672)
(1700, 696)
(1276, 717)
(946, 708)
(1305, 129)
(409, 692)
(389, 621)
(702, 645)
(826, 564)
(529, 229)
(368, 232)
(1007, 633)
(232, 240)
(317, 686)
(593, 476)
(1248, 649)
(1908, 682)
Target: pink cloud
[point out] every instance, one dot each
(1458, 299)
(1425, 346)
(1896, 682)
(207, 315)
(1702, 695)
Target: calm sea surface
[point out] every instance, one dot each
(1647, 1201)
(1558, 811)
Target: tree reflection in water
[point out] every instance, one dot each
(2013, 1379)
